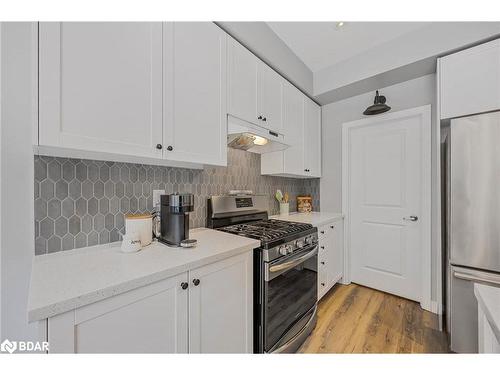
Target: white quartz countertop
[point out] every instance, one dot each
(488, 298)
(314, 218)
(67, 280)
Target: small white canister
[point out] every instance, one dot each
(284, 208)
(142, 224)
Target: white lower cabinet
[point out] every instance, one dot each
(331, 256)
(204, 310)
(221, 307)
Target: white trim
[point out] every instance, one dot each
(425, 113)
(104, 156)
(438, 308)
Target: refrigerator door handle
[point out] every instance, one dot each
(476, 278)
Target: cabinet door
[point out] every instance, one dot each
(312, 138)
(100, 86)
(221, 307)
(294, 129)
(242, 95)
(470, 81)
(152, 319)
(195, 127)
(270, 98)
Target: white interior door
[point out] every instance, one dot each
(389, 201)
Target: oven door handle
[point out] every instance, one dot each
(294, 262)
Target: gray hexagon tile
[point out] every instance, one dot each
(82, 203)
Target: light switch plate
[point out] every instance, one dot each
(156, 197)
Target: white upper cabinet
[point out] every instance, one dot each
(302, 126)
(293, 157)
(100, 87)
(470, 81)
(312, 138)
(195, 85)
(242, 65)
(255, 90)
(270, 98)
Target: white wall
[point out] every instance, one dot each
(367, 70)
(409, 94)
(18, 96)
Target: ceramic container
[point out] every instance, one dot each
(284, 208)
(142, 224)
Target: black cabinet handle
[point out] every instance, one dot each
(322, 262)
(170, 148)
(196, 282)
(264, 119)
(259, 118)
(322, 232)
(306, 170)
(322, 284)
(322, 247)
(184, 285)
(159, 146)
(332, 226)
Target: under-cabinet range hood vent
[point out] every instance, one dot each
(249, 137)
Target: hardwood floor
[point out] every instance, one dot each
(356, 319)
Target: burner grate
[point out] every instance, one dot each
(267, 230)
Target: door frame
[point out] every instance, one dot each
(424, 112)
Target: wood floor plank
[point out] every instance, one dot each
(356, 319)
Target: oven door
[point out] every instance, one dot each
(290, 294)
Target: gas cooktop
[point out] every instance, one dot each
(267, 231)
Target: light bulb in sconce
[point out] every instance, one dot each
(259, 141)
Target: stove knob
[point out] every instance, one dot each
(309, 240)
(283, 250)
(299, 244)
(289, 249)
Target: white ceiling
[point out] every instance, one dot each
(322, 44)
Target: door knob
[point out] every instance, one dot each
(196, 282)
(411, 218)
(170, 148)
(184, 285)
(159, 146)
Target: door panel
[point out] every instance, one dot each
(312, 138)
(100, 86)
(221, 307)
(294, 129)
(270, 96)
(386, 187)
(242, 65)
(196, 123)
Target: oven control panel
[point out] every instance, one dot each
(290, 247)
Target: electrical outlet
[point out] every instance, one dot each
(156, 197)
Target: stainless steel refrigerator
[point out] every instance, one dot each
(473, 221)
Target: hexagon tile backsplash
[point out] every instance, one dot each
(82, 202)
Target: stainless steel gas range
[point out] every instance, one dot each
(285, 270)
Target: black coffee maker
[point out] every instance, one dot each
(174, 211)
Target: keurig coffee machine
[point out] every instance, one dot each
(175, 209)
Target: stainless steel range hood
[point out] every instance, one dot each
(243, 135)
